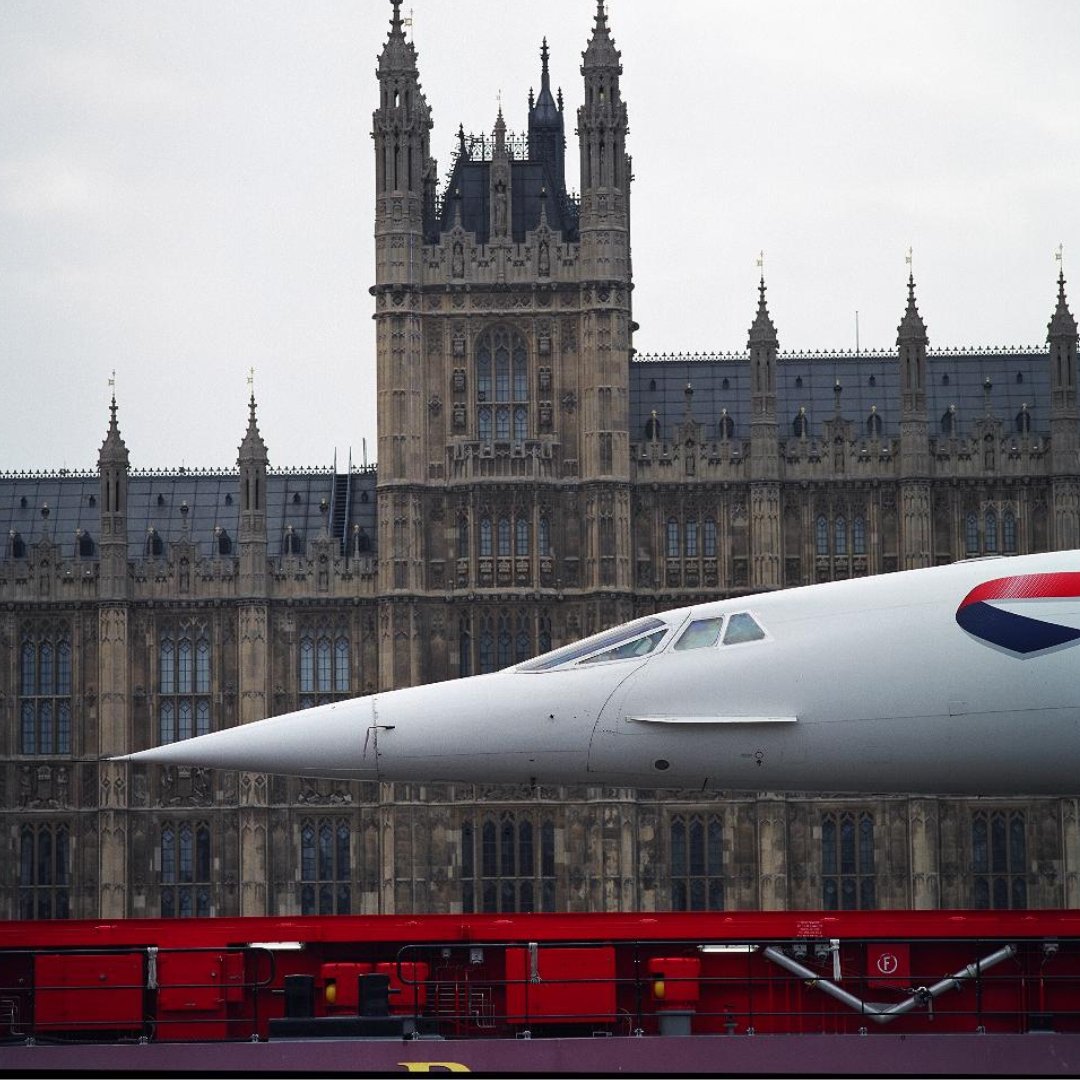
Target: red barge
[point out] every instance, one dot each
(737, 993)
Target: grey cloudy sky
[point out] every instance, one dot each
(186, 191)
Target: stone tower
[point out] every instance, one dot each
(911, 343)
(503, 336)
(1064, 423)
(765, 566)
(114, 676)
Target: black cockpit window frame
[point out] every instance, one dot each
(599, 643)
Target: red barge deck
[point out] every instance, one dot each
(736, 993)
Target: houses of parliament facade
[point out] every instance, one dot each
(537, 481)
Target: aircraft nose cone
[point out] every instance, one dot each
(327, 741)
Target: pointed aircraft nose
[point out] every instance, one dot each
(336, 741)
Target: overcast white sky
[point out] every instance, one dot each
(186, 191)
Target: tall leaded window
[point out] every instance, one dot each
(521, 536)
(691, 538)
(821, 534)
(508, 863)
(485, 538)
(324, 666)
(184, 853)
(697, 862)
(45, 691)
(543, 541)
(971, 534)
(505, 641)
(183, 683)
(840, 531)
(999, 859)
(325, 867)
(504, 537)
(486, 646)
(847, 862)
(858, 536)
(464, 646)
(45, 871)
(990, 528)
(543, 635)
(502, 386)
(672, 545)
(523, 649)
(1008, 532)
(709, 539)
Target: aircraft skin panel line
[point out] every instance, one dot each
(712, 719)
(957, 679)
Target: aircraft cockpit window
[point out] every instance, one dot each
(641, 646)
(700, 634)
(605, 641)
(742, 627)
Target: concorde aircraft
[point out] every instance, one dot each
(956, 679)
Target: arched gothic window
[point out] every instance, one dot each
(485, 538)
(184, 857)
(821, 534)
(709, 539)
(999, 859)
(858, 536)
(672, 547)
(971, 534)
(521, 539)
(45, 871)
(840, 531)
(1008, 530)
(691, 535)
(847, 862)
(324, 666)
(184, 684)
(45, 691)
(697, 862)
(502, 385)
(508, 863)
(990, 527)
(325, 867)
(873, 425)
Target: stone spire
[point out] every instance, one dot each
(253, 460)
(547, 141)
(1062, 323)
(398, 56)
(601, 52)
(911, 328)
(113, 542)
(911, 341)
(1064, 422)
(114, 450)
(762, 330)
(252, 448)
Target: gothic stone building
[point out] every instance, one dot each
(536, 482)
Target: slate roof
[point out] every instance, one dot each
(1018, 377)
(56, 506)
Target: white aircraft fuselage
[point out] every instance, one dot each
(957, 679)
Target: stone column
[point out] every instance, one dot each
(925, 853)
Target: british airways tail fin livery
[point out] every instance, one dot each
(961, 679)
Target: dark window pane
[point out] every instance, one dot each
(998, 860)
(980, 858)
(678, 848)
